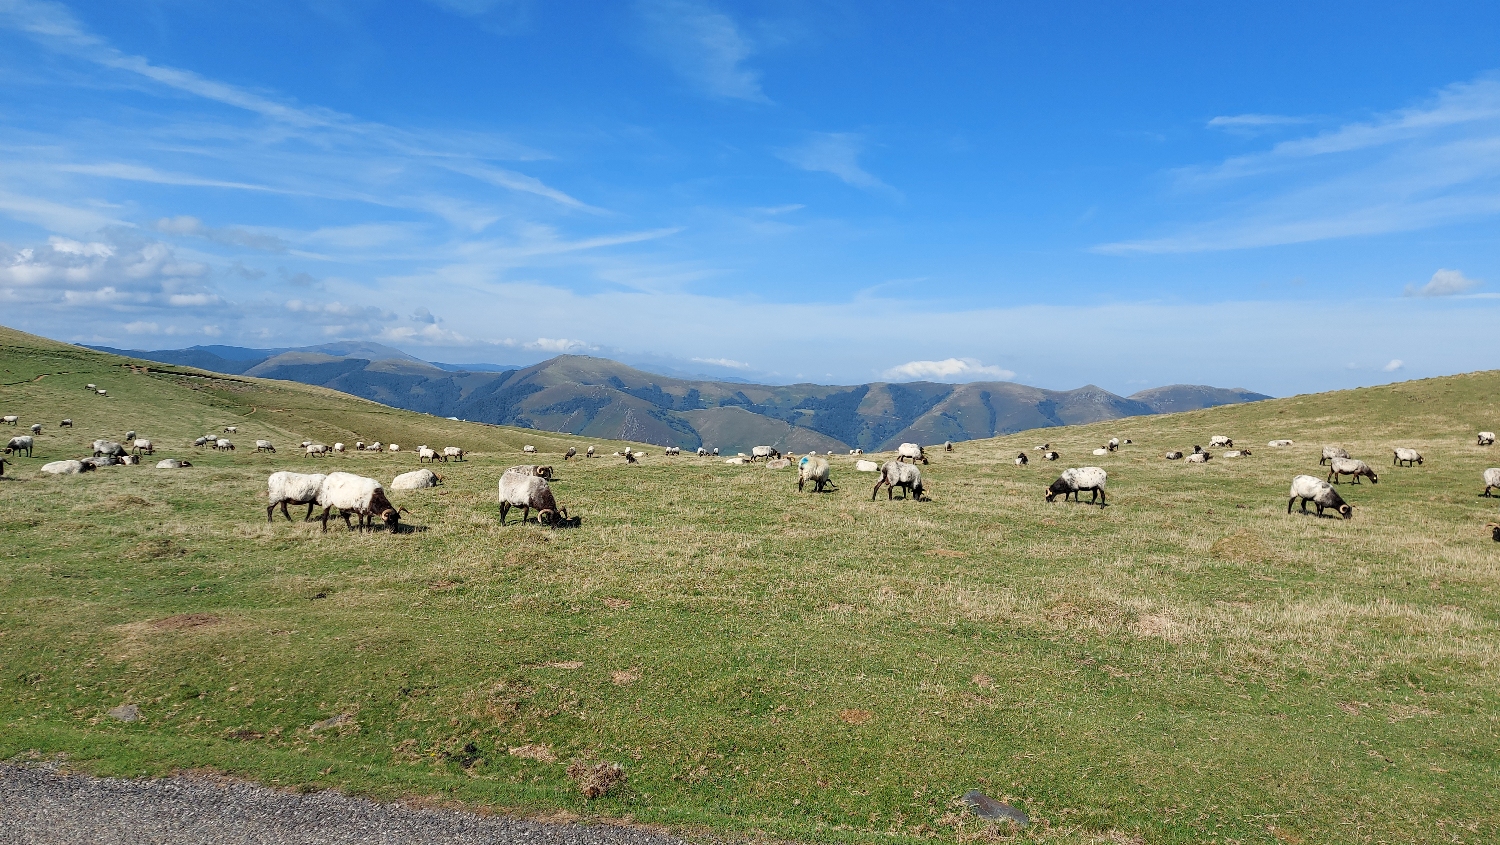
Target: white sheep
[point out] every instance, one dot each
(1331, 453)
(457, 454)
(292, 488)
(356, 495)
(716, 451)
(223, 445)
(66, 467)
(911, 451)
(108, 447)
(1407, 457)
(90, 387)
(359, 445)
(1021, 459)
(1486, 438)
(702, 452)
(316, 450)
(1320, 493)
(947, 445)
(590, 452)
(417, 479)
(1076, 480)
(895, 474)
(765, 453)
(231, 429)
(1199, 458)
(866, 466)
(672, 451)
(1101, 452)
(736, 461)
(426, 454)
(529, 492)
(1174, 455)
(260, 446)
(1051, 456)
(142, 445)
(856, 451)
(815, 470)
(102, 392)
(36, 428)
(1113, 444)
(1219, 440)
(20, 444)
(1277, 444)
(529, 449)
(172, 463)
(338, 447)
(1237, 453)
(531, 469)
(394, 447)
(377, 446)
(1491, 480)
(1340, 467)
(10, 419)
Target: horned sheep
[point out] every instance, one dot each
(231, 429)
(355, 495)
(1320, 493)
(292, 488)
(1076, 480)
(1491, 480)
(531, 469)
(1406, 457)
(572, 452)
(895, 474)
(529, 492)
(814, 470)
(20, 444)
(1340, 467)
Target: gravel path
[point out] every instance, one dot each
(40, 807)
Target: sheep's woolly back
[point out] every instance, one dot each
(1316, 490)
(909, 450)
(1408, 455)
(1085, 478)
(1491, 477)
(415, 480)
(294, 488)
(526, 491)
(812, 469)
(1350, 466)
(348, 492)
(66, 467)
(866, 466)
(900, 474)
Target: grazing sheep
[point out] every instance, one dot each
(67, 467)
(573, 450)
(1277, 444)
(529, 493)
(377, 446)
(10, 419)
(1320, 493)
(765, 453)
(1198, 458)
(1349, 466)
(102, 392)
(130, 435)
(359, 445)
(223, 445)
(457, 454)
(1330, 453)
(107, 447)
(260, 446)
(142, 445)
(1237, 453)
(394, 447)
(911, 450)
(589, 453)
(1491, 480)
(90, 387)
(1113, 444)
(1406, 457)
(702, 452)
(417, 479)
(531, 469)
(1076, 480)
(201, 441)
(1486, 438)
(316, 450)
(338, 447)
(1101, 452)
(20, 444)
(1051, 456)
(356, 495)
(529, 449)
(672, 451)
(866, 466)
(1494, 528)
(814, 470)
(172, 463)
(1174, 455)
(67, 423)
(1021, 459)
(715, 451)
(292, 488)
(36, 428)
(895, 474)
(426, 454)
(1219, 440)
(231, 429)
(947, 445)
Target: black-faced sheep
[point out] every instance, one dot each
(260, 446)
(1486, 438)
(529, 449)
(1220, 441)
(1237, 453)
(142, 446)
(223, 445)
(1358, 469)
(10, 419)
(1406, 457)
(1491, 480)
(20, 444)
(1320, 493)
(672, 451)
(1199, 458)
(36, 428)
(428, 454)
(764, 453)
(1051, 456)
(573, 450)
(895, 474)
(911, 451)
(531, 469)
(814, 470)
(1021, 459)
(716, 451)
(1330, 453)
(356, 495)
(108, 447)
(1174, 455)
(530, 492)
(702, 452)
(457, 454)
(292, 488)
(231, 429)
(68, 423)
(948, 446)
(1074, 481)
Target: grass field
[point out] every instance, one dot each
(1190, 664)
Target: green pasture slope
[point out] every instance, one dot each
(1190, 664)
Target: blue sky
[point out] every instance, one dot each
(1269, 197)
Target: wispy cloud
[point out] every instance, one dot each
(236, 236)
(1394, 365)
(723, 362)
(1444, 283)
(704, 46)
(1253, 121)
(836, 153)
(948, 369)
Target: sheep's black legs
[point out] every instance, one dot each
(325, 517)
(305, 518)
(1289, 504)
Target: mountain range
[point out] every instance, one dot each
(597, 397)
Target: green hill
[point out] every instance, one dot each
(1190, 664)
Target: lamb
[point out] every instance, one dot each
(142, 445)
(1021, 459)
(1486, 438)
(67, 423)
(1320, 493)
(1051, 456)
(529, 492)
(1406, 457)
(10, 419)
(895, 474)
(1349, 466)
(764, 453)
(36, 428)
(426, 454)
(260, 446)
(66, 467)
(531, 469)
(1491, 480)
(107, 447)
(1074, 481)
(20, 444)
(172, 463)
(814, 470)
(1174, 455)
(911, 450)
(416, 480)
(316, 450)
(1331, 453)
(1220, 440)
(293, 488)
(1101, 452)
(1198, 458)
(223, 445)
(529, 449)
(457, 454)
(1277, 444)
(866, 466)
(355, 494)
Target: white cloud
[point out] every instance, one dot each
(1253, 121)
(559, 345)
(338, 309)
(836, 153)
(705, 47)
(430, 334)
(1394, 365)
(121, 269)
(189, 226)
(182, 300)
(948, 369)
(142, 327)
(723, 362)
(1444, 283)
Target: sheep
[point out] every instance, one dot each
(457, 454)
(716, 451)
(36, 428)
(702, 452)
(779, 463)
(1051, 456)
(172, 463)
(292, 488)
(357, 495)
(1219, 440)
(572, 452)
(375, 447)
(1486, 438)
(1075, 481)
(529, 492)
(630, 457)
(1349, 466)
(1174, 455)
(130, 435)
(1277, 444)
(231, 429)
(428, 455)
(1331, 453)
(1021, 459)
(736, 461)
(532, 469)
(1113, 444)
(814, 470)
(764, 453)
(856, 451)
(895, 474)
(1494, 528)
(359, 445)
(1491, 480)
(67, 423)
(913, 451)
(866, 466)
(203, 440)
(10, 419)
(947, 445)
(20, 444)
(316, 450)
(529, 449)
(91, 387)
(1406, 457)
(1101, 452)
(66, 467)
(102, 392)
(416, 480)
(1198, 458)
(129, 460)
(394, 447)
(672, 451)
(338, 447)
(1320, 493)
(107, 447)
(223, 445)
(143, 445)
(1045, 447)
(1237, 453)
(101, 461)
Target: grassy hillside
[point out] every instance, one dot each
(1190, 664)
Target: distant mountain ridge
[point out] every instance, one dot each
(597, 397)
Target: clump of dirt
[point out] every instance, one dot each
(625, 677)
(539, 753)
(184, 621)
(595, 779)
(156, 548)
(1241, 547)
(855, 717)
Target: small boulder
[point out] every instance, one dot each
(125, 713)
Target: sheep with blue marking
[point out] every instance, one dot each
(815, 470)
